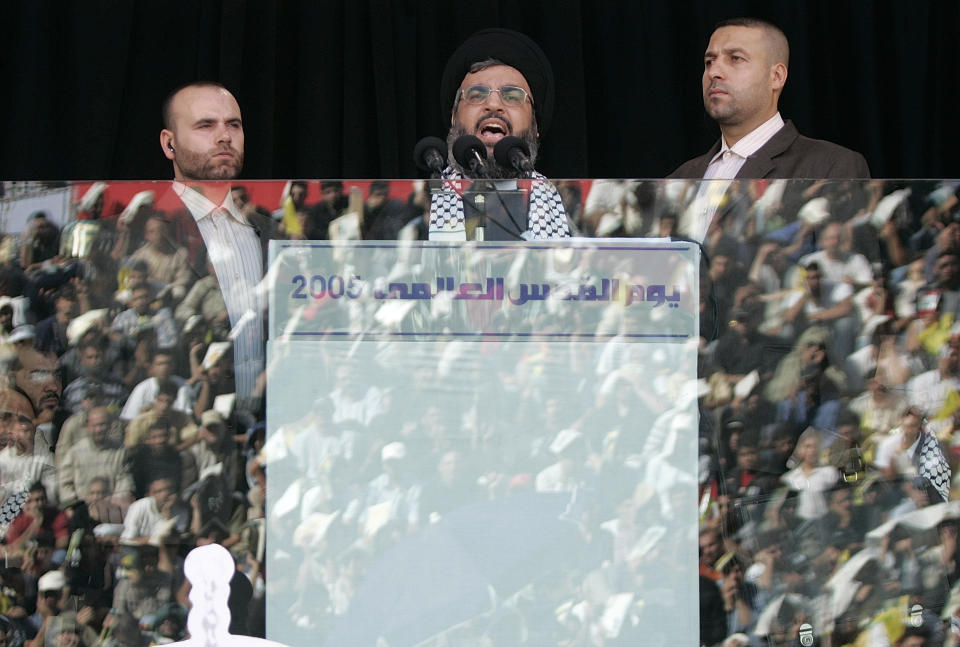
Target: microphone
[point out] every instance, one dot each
(429, 155)
(470, 153)
(513, 152)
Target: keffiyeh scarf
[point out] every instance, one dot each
(931, 464)
(546, 217)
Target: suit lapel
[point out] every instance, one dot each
(760, 164)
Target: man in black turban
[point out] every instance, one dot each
(499, 83)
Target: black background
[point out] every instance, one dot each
(345, 88)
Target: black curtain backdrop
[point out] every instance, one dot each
(346, 88)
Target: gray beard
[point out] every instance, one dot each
(496, 171)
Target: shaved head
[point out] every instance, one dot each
(777, 47)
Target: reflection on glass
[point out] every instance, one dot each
(827, 395)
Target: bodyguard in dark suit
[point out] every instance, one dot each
(744, 71)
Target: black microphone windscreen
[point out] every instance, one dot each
(501, 152)
(464, 149)
(427, 151)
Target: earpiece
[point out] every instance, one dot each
(170, 146)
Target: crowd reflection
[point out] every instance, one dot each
(828, 394)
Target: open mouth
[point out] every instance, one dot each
(492, 130)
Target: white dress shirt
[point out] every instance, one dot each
(724, 166)
(233, 247)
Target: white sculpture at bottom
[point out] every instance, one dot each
(209, 569)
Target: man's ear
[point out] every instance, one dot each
(778, 76)
(166, 143)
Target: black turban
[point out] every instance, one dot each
(512, 48)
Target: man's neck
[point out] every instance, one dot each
(215, 192)
(735, 132)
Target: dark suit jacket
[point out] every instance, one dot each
(788, 155)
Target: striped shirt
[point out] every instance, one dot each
(233, 248)
(724, 166)
(730, 159)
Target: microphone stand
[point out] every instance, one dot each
(480, 202)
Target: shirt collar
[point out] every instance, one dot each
(200, 207)
(752, 141)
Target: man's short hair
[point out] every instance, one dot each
(143, 287)
(331, 184)
(779, 46)
(102, 480)
(167, 387)
(140, 266)
(67, 292)
(166, 110)
(90, 342)
(158, 215)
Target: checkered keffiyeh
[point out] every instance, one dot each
(546, 216)
(930, 463)
(10, 508)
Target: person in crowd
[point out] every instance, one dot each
(214, 445)
(143, 314)
(205, 300)
(166, 262)
(95, 374)
(146, 587)
(835, 260)
(22, 463)
(293, 217)
(100, 503)
(383, 216)
(52, 331)
(145, 393)
(182, 428)
(824, 302)
(810, 478)
(41, 242)
(138, 273)
(37, 516)
(332, 205)
(879, 407)
(930, 390)
(97, 454)
(740, 598)
(154, 457)
(36, 375)
(150, 519)
(910, 450)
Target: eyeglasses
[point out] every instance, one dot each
(510, 95)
